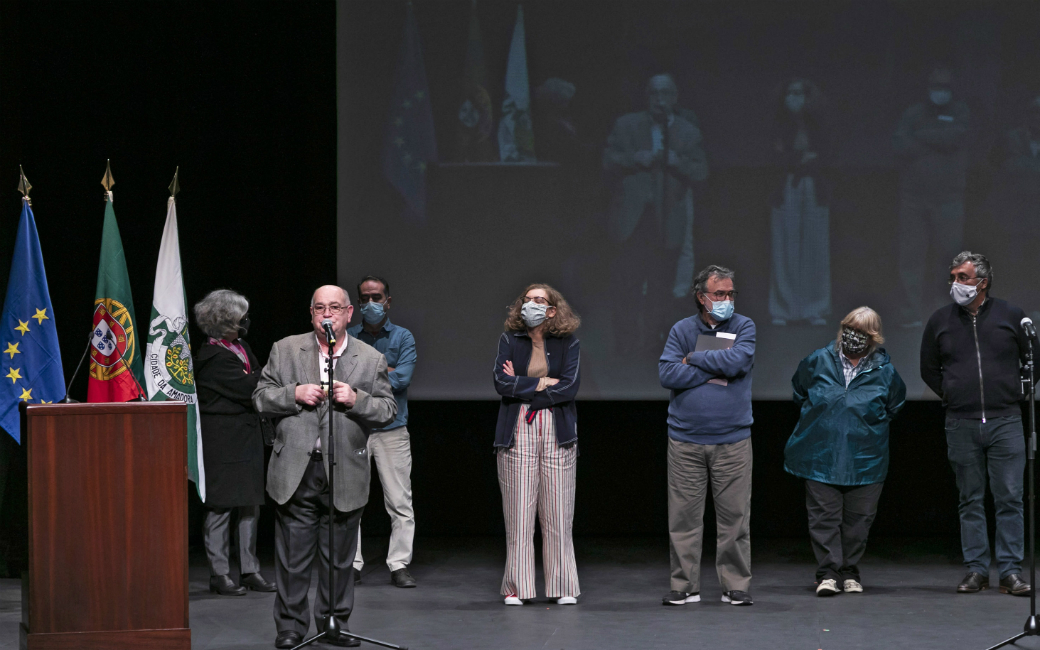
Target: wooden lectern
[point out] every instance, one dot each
(108, 527)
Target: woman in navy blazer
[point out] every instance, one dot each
(536, 441)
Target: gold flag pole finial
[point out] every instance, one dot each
(175, 186)
(23, 184)
(107, 181)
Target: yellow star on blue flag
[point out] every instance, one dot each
(37, 375)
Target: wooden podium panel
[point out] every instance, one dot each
(108, 526)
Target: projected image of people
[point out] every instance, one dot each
(800, 283)
(930, 143)
(651, 159)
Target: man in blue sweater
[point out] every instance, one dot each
(709, 440)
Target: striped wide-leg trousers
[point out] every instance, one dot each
(536, 475)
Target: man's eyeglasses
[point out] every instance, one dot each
(722, 295)
(333, 309)
(537, 300)
(963, 279)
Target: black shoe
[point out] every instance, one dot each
(341, 640)
(973, 583)
(357, 576)
(256, 582)
(401, 578)
(1014, 584)
(737, 598)
(287, 639)
(680, 598)
(225, 587)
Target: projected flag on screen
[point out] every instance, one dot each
(31, 360)
(410, 144)
(515, 135)
(113, 351)
(476, 121)
(170, 374)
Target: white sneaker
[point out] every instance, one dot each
(853, 587)
(567, 600)
(827, 587)
(512, 599)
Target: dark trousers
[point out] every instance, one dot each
(301, 529)
(930, 229)
(994, 450)
(643, 276)
(839, 522)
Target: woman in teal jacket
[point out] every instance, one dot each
(848, 392)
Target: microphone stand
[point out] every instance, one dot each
(69, 400)
(332, 626)
(1031, 628)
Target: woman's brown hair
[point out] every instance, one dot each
(565, 322)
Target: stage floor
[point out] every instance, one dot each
(909, 602)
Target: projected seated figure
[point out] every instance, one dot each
(536, 442)
(848, 392)
(650, 204)
(930, 144)
(800, 282)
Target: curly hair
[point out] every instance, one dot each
(565, 322)
(220, 312)
(815, 102)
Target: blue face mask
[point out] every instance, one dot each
(373, 312)
(721, 310)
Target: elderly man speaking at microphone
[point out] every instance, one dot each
(361, 399)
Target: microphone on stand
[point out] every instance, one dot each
(1027, 325)
(68, 387)
(327, 325)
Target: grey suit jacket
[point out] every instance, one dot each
(635, 187)
(295, 360)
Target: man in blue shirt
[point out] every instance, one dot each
(709, 439)
(390, 447)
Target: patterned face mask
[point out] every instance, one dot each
(853, 342)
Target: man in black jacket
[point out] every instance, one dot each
(971, 356)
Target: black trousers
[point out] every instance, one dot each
(301, 529)
(839, 522)
(643, 275)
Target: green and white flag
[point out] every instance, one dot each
(169, 373)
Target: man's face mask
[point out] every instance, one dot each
(940, 96)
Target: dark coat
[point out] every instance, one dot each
(563, 355)
(232, 438)
(842, 434)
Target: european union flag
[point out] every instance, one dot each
(410, 143)
(30, 361)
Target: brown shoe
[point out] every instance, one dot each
(973, 583)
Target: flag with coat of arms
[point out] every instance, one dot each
(31, 360)
(169, 373)
(115, 361)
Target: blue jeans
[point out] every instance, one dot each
(997, 446)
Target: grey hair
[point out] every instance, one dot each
(346, 296)
(663, 75)
(220, 312)
(700, 283)
(979, 261)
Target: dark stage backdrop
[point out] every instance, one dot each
(241, 95)
(489, 231)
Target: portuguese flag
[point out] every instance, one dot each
(113, 351)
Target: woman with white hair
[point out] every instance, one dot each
(848, 392)
(226, 373)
